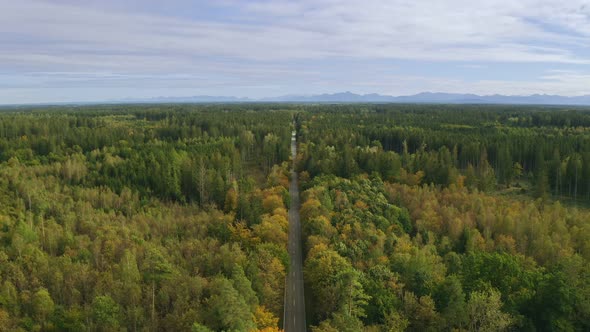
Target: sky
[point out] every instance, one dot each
(101, 50)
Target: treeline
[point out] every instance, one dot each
(168, 218)
(546, 150)
(179, 154)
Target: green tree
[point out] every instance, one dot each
(394, 322)
(42, 305)
(156, 269)
(200, 328)
(322, 270)
(244, 286)
(450, 302)
(105, 312)
(228, 311)
(421, 313)
(484, 312)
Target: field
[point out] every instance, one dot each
(413, 217)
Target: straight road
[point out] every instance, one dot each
(294, 319)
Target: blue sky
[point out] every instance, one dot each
(86, 50)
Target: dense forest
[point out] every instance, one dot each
(174, 217)
(446, 218)
(143, 218)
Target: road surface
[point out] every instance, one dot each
(294, 319)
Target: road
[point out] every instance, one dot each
(294, 319)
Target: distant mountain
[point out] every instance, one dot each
(349, 97)
(430, 97)
(341, 97)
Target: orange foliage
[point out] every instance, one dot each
(265, 320)
(231, 200)
(311, 208)
(272, 229)
(361, 205)
(272, 202)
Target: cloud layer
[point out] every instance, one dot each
(93, 50)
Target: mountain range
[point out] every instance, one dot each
(349, 97)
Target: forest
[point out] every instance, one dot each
(175, 217)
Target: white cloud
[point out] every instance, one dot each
(435, 30)
(273, 41)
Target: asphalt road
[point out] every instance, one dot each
(294, 319)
